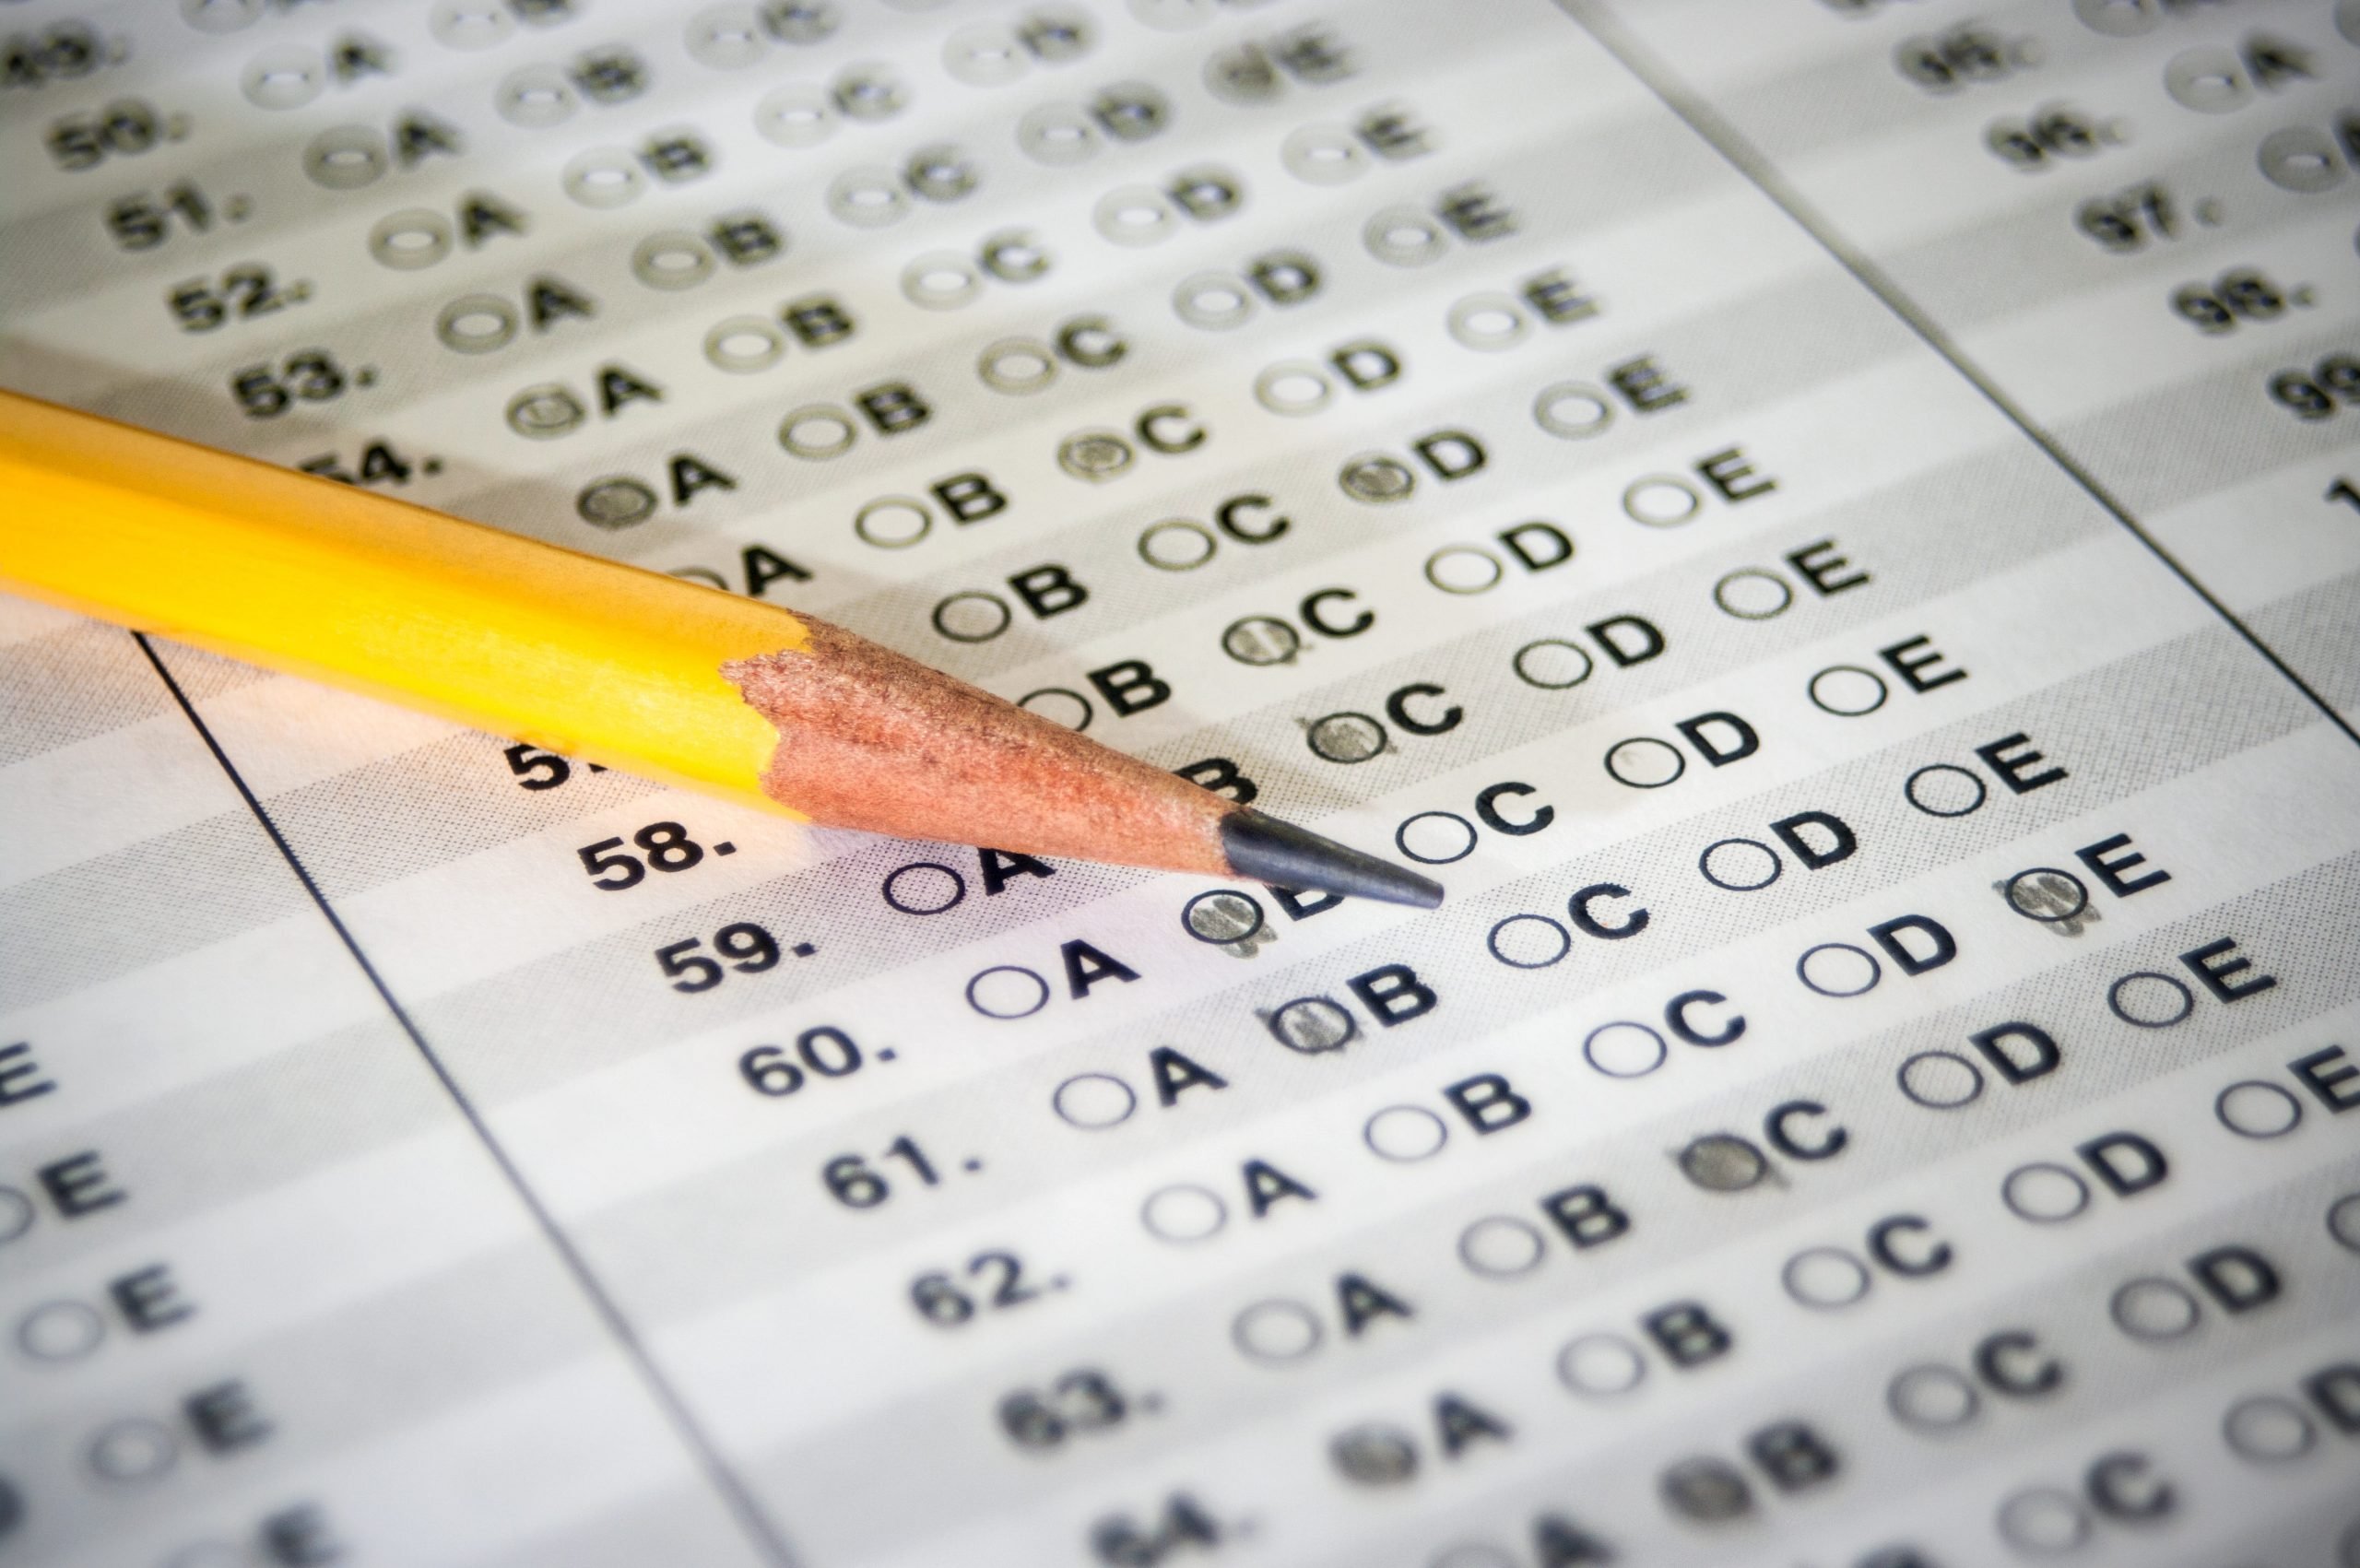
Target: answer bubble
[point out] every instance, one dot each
(1057, 134)
(2268, 1429)
(615, 502)
(1276, 1330)
(287, 77)
(1017, 365)
(1404, 1134)
(2044, 1520)
(1463, 569)
(1825, 1277)
(1376, 477)
(1839, 969)
(984, 55)
(1941, 789)
(1487, 322)
(866, 198)
(1183, 1214)
(1133, 215)
(1345, 737)
(1323, 155)
(1223, 916)
(1528, 942)
(1644, 762)
(940, 173)
(1740, 865)
(1499, 1247)
(817, 432)
(132, 1451)
(1846, 690)
(1403, 236)
(725, 38)
(1262, 640)
(410, 239)
(344, 159)
(59, 1331)
(2150, 1001)
(1941, 1080)
(1435, 838)
(1068, 710)
(476, 323)
(973, 616)
(1293, 387)
(1008, 991)
(940, 282)
(1573, 410)
(1623, 1049)
(2302, 160)
(1722, 1162)
(2118, 18)
(15, 1214)
(795, 116)
(544, 412)
(671, 262)
(2343, 1221)
(1705, 1490)
(534, 96)
(1177, 545)
(1752, 594)
(1552, 664)
(865, 92)
(1095, 456)
(2208, 80)
(1600, 1365)
(1213, 300)
(1094, 1102)
(2047, 894)
(2044, 1194)
(1374, 1455)
(602, 178)
(893, 523)
(923, 886)
(2255, 1109)
(1931, 1398)
(2153, 1309)
(1661, 501)
(1312, 1025)
(743, 345)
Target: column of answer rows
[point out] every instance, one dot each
(385, 318)
(627, 1174)
(261, 1279)
(744, 446)
(597, 979)
(1227, 1038)
(2145, 226)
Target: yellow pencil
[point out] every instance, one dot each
(679, 683)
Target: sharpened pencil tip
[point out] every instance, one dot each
(1270, 850)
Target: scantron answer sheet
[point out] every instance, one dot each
(1833, 526)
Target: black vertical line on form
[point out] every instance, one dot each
(1747, 160)
(741, 1502)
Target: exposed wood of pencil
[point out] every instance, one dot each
(871, 739)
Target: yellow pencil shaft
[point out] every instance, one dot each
(594, 659)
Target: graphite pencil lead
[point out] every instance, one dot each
(1270, 850)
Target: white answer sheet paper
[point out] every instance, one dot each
(1831, 526)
